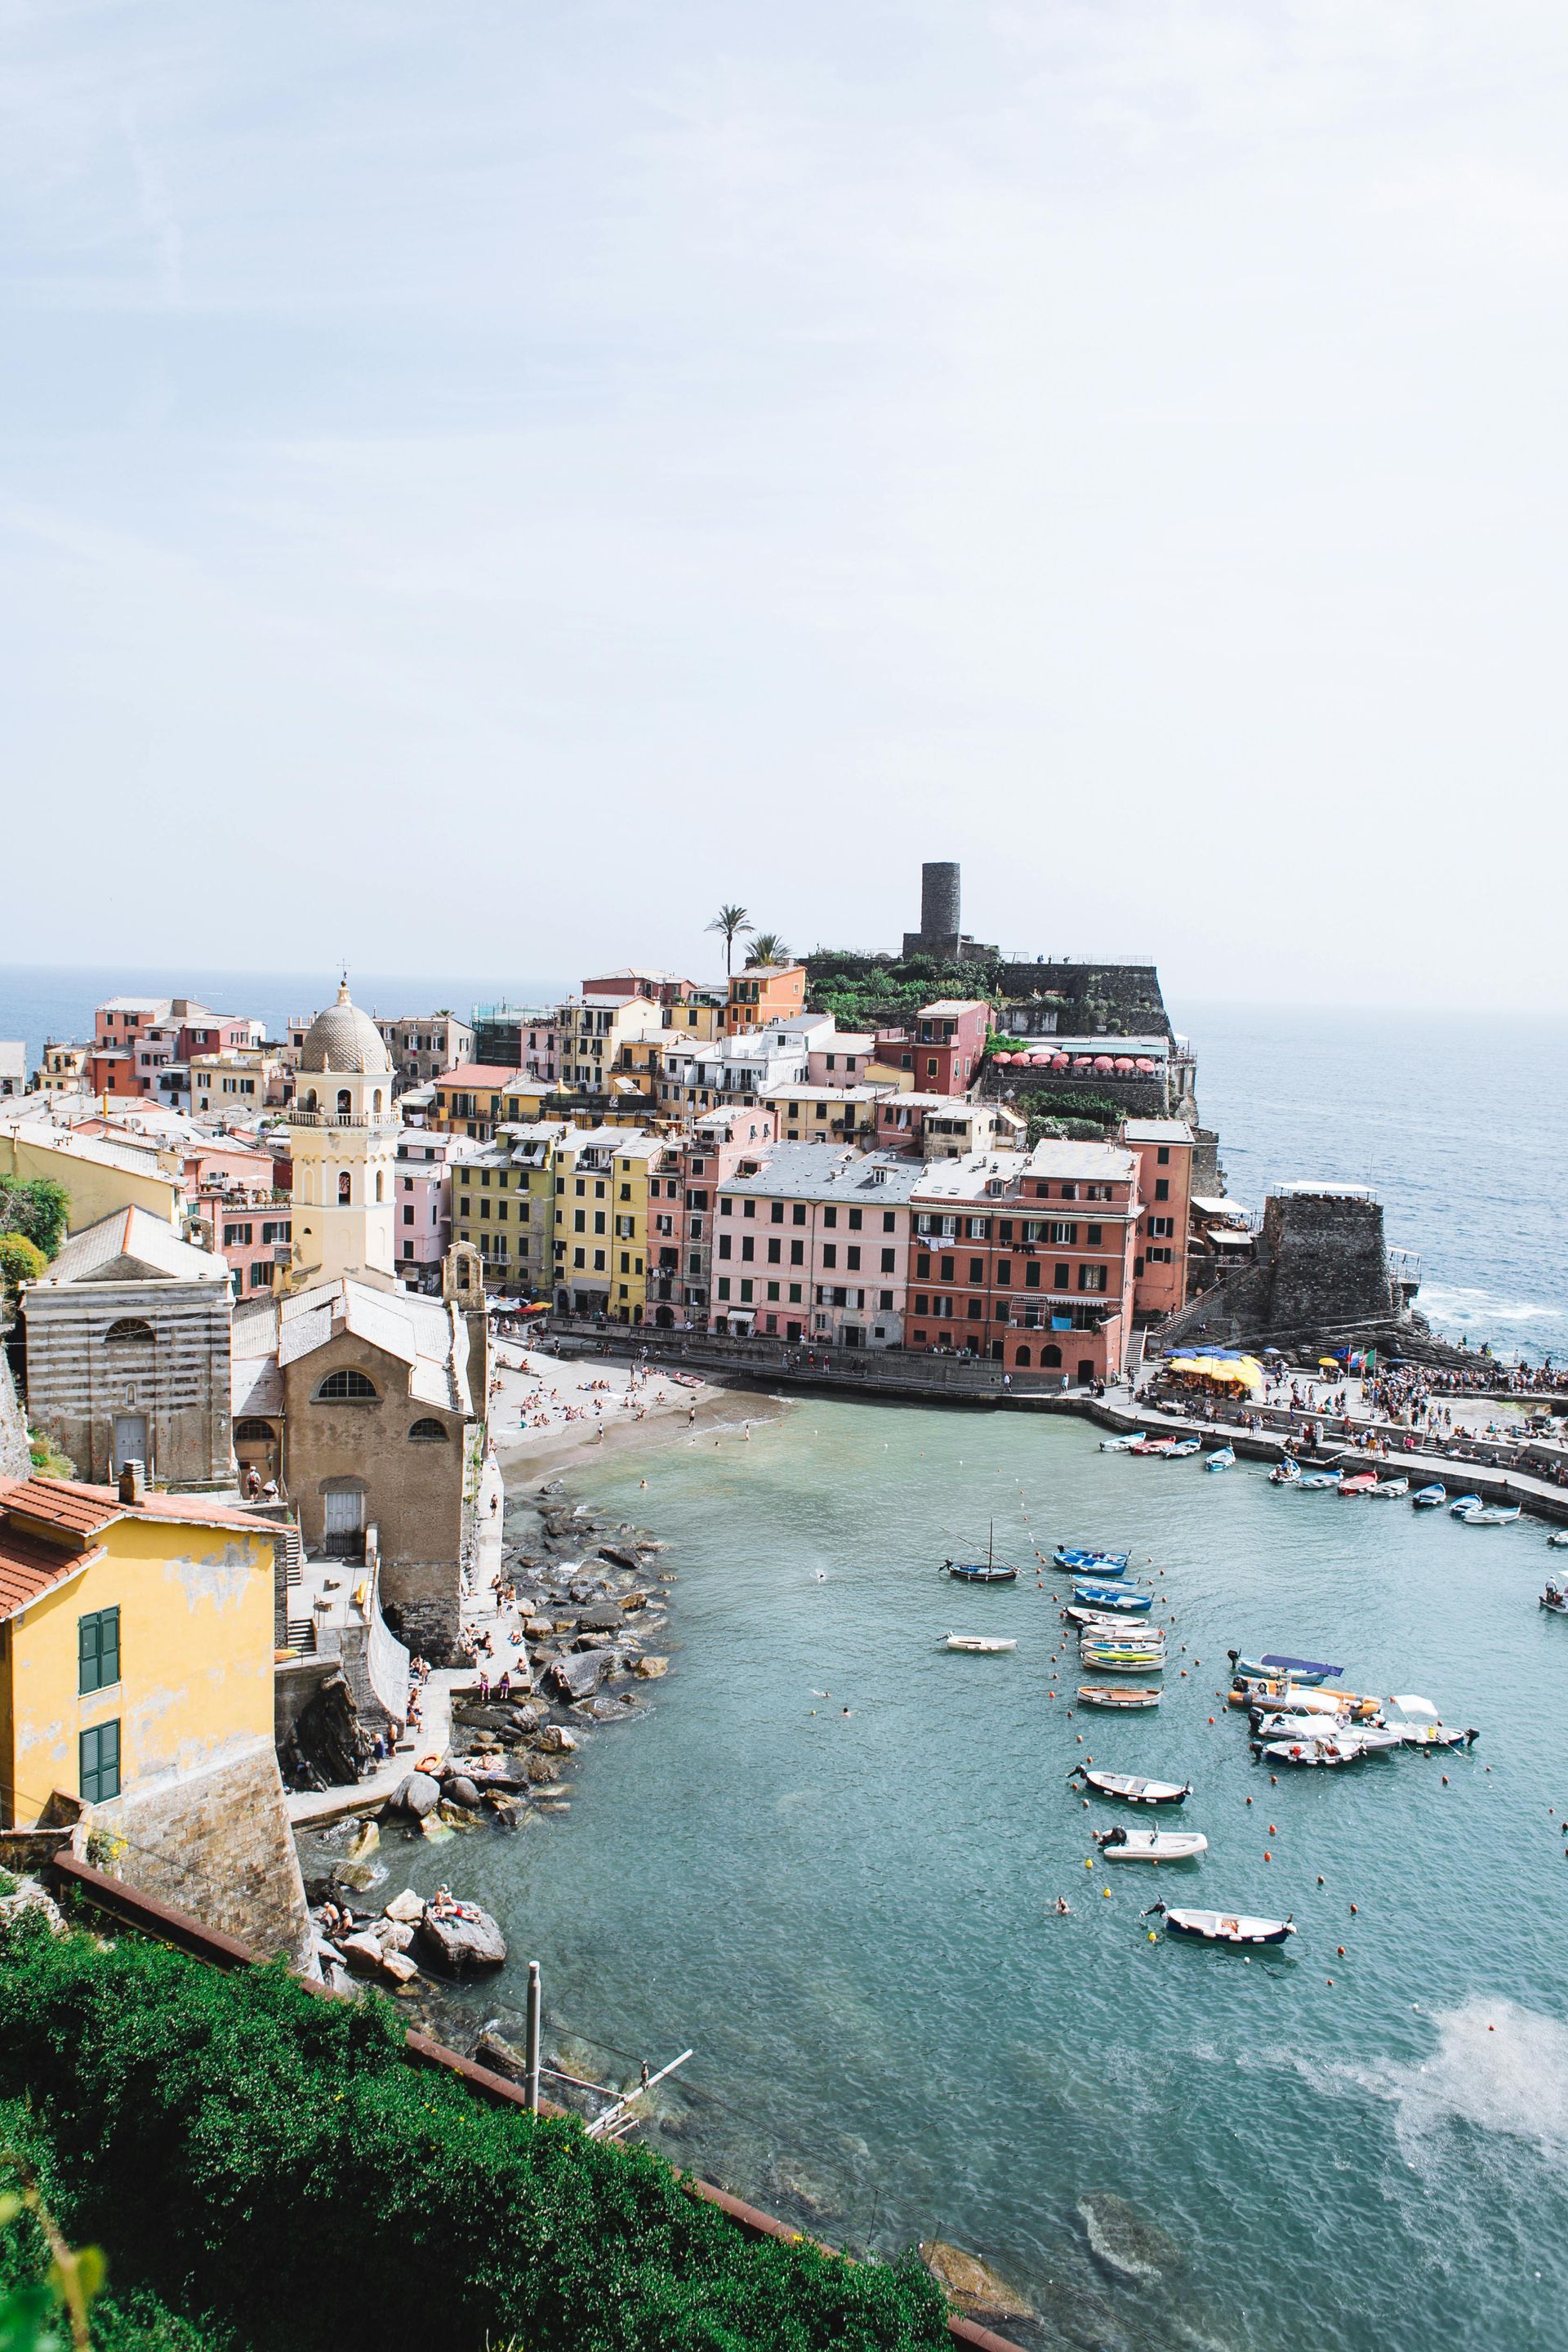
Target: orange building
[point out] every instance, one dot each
(768, 992)
(1163, 1148)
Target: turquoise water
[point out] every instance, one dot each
(850, 1917)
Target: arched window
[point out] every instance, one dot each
(253, 1432)
(129, 1327)
(1050, 1355)
(428, 1433)
(345, 1102)
(375, 1106)
(345, 1190)
(310, 1099)
(347, 1387)
(1022, 1357)
(380, 1182)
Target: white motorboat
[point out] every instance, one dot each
(1120, 1445)
(979, 1645)
(1221, 1927)
(1387, 1488)
(1222, 1458)
(1419, 1725)
(1119, 1845)
(1491, 1515)
(1558, 1538)
(1184, 1449)
(1286, 1472)
(1555, 1599)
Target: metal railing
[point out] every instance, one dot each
(890, 1368)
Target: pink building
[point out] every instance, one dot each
(815, 1246)
(841, 1060)
(683, 1206)
(422, 1195)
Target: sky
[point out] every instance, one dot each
(480, 485)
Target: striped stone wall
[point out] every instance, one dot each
(78, 1380)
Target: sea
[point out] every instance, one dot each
(825, 1856)
(1458, 1121)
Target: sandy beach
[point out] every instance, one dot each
(547, 1410)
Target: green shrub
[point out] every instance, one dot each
(36, 1208)
(243, 2148)
(20, 1261)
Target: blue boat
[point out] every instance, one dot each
(1116, 1599)
(1222, 1458)
(1270, 1665)
(1069, 1556)
(1463, 1503)
(1319, 1480)
(1427, 1499)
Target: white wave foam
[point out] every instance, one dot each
(1441, 1305)
(1497, 2068)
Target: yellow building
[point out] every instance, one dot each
(602, 1191)
(60, 1070)
(100, 1177)
(136, 1651)
(846, 1114)
(504, 1203)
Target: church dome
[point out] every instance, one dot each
(345, 1038)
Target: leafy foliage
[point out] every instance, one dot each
(46, 1457)
(52, 2296)
(20, 1261)
(37, 1209)
(244, 2148)
(864, 991)
(768, 947)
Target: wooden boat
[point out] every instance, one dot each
(1117, 1695)
(1558, 1540)
(1270, 1666)
(1084, 1562)
(987, 1571)
(1114, 1634)
(1286, 1472)
(1131, 1787)
(1463, 1503)
(1491, 1514)
(1081, 1615)
(1115, 1599)
(1222, 1458)
(1123, 1844)
(1427, 1499)
(1386, 1489)
(1555, 1599)
(1184, 1449)
(1221, 1927)
(1161, 1446)
(1328, 1751)
(1120, 1445)
(1317, 1482)
(980, 1646)
(1121, 1657)
(1364, 1482)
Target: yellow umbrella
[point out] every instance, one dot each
(1233, 1371)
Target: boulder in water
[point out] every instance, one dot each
(1122, 2242)
(971, 2286)
(420, 1794)
(578, 1675)
(407, 1908)
(651, 1668)
(461, 1791)
(462, 1940)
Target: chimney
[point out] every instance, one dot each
(133, 1482)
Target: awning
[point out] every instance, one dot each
(1232, 1371)
(1230, 1236)
(1227, 1211)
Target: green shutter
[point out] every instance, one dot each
(98, 1650)
(99, 1763)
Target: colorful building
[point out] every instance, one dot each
(815, 1247)
(946, 1127)
(424, 1045)
(136, 1645)
(684, 1203)
(1163, 1150)
(470, 1099)
(834, 1114)
(504, 1203)
(768, 994)
(1027, 1259)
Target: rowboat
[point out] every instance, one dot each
(1116, 1599)
(987, 1571)
(1113, 1634)
(1386, 1489)
(1270, 1665)
(1363, 1483)
(1222, 1458)
(1120, 1445)
(1221, 1927)
(1083, 1616)
(1184, 1448)
(1332, 1750)
(1427, 1499)
(1132, 1787)
(1558, 1540)
(1117, 1695)
(1123, 1844)
(1285, 1473)
(1153, 1445)
(1121, 1657)
(1093, 1562)
(1555, 1599)
(1491, 1514)
(980, 1646)
(1463, 1503)
(1317, 1482)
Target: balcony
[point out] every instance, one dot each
(386, 1121)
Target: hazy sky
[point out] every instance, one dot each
(481, 483)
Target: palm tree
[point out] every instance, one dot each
(766, 948)
(732, 921)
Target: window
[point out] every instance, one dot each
(748, 1247)
(129, 1327)
(776, 1253)
(1162, 1224)
(235, 1236)
(829, 1253)
(1063, 1275)
(797, 1252)
(1163, 1156)
(947, 1269)
(977, 1310)
(346, 1387)
(98, 1650)
(889, 1259)
(1096, 1235)
(1161, 1188)
(1063, 1235)
(1091, 1277)
(976, 1229)
(854, 1221)
(797, 1213)
(427, 1431)
(890, 1223)
(830, 1216)
(345, 1190)
(977, 1269)
(260, 1275)
(253, 1432)
(98, 1763)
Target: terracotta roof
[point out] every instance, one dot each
(29, 1568)
(87, 1510)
